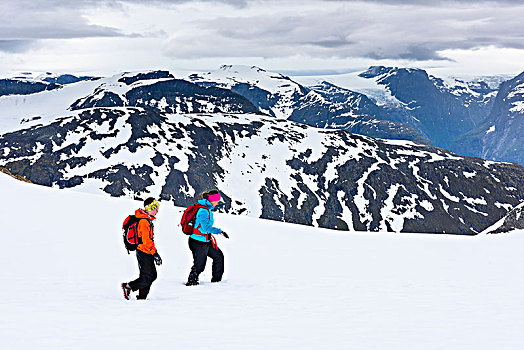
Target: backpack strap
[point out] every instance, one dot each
(150, 226)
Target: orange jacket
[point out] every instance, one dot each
(145, 231)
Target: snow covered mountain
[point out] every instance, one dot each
(476, 117)
(157, 90)
(414, 106)
(280, 96)
(273, 93)
(446, 109)
(390, 111)
(499, 136)
(266, 167)
(29, 83)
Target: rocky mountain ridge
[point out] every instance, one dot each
(444, 112)
(280, 96)
(266, 167)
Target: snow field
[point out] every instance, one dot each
(285, 286)
(229, 76)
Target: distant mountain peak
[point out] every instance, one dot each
(241, 68)
(378, 71)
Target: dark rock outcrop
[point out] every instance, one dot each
(20, 87)
(514, 220)
(444, 113)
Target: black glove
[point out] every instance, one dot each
(225, 234)
(158, 259)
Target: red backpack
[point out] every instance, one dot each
(189, 216)
(130, 227)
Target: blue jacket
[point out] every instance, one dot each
(204, 221)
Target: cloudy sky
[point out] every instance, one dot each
(297, 37)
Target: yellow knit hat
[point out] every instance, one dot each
(151, 206)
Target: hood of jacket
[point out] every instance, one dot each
(141, 214)
(206, 203)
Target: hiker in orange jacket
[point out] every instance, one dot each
(146, 252)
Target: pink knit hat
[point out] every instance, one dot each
(214, 197)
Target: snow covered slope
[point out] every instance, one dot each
(267, 167)
(285, 287)
(157, 90)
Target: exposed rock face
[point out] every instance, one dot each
(159, 74)
(99, 98)
(18, 177)
(180, 96)
(267, 167)
(445, 112)
(504, 137)
(514, 220)
(367, 106)
(167, 95)
(499, 136)
(65, 79)
(19, 87)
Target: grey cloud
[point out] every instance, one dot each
(24, 23)
(421, 53)
(316, 28)
(355, 29)
(81, 4)
(331, 43)
(242, 3)
(432, 3)
(78, 4)
(15, 46)
(57, 32)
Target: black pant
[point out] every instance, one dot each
(143, 283)
(201, 250)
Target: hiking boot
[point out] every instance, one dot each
(126, 289)
(192, 279)
(215, 280)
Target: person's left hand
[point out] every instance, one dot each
(158, 259)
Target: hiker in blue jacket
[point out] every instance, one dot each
(202, 242)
